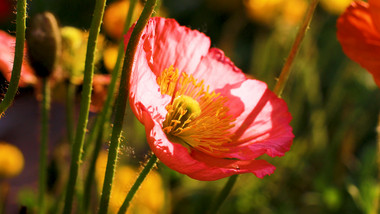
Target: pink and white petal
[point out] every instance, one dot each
(197, 165)
(167, 43)
(262, 126)
(359, 38)
(217, 70)
(260, 168)
(144, 91)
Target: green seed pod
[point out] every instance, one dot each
(43, 43)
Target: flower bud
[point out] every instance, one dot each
(44, 43)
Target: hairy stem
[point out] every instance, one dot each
(19, 56)
(105, 113)
(223, 194)
(136, 185)
(85, 104)
(121, 103)
(285, 72)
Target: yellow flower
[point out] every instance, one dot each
(149, 199)
(110, 57)
(74, 47)
(115, 15)
(335, 7)
(270, 11)
(294, 10)
(11, 160)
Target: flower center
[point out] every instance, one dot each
(196, 117)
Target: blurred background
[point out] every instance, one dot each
(331, 167)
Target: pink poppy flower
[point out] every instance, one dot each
(203, 117)
(7, 51)
(358, 31)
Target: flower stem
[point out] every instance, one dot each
(121, 104)
(91, 173)
(96, 132)
(85, 103)
(223, 194)
(19, 55)
(111, 88)
(70, 96)
(285, 72)
(45, 109)
(136, 185)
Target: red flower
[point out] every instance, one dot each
(203, 117)
(359, 34)
(7, 50)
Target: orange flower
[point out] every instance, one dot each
(359, 34)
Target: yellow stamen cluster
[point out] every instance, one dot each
(196, 117)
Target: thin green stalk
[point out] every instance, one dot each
(152, 161)
(91, 174)
(121, 103)
(70, 96)
(100, 120)
(45, 109)
(85, 104)
(223, 194)
(19, 56)
(105, 113)
(285, 72)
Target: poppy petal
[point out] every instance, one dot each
(263, 126)
(7, 45)
(196, 164)
(374, 9)
(359, 38)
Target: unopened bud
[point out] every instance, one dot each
(44, 43)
